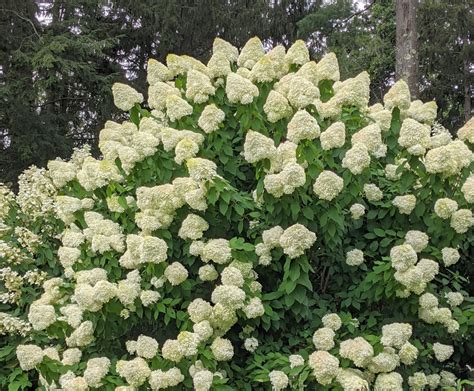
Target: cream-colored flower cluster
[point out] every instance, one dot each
(397, 350)
(129, 143)
(431, 313)
(294, 241)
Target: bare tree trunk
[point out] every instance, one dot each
(406, 66)
(467, 84)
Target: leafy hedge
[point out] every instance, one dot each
(255, 225)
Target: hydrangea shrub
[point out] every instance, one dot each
(253, 225)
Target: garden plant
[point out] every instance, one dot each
(254, 224)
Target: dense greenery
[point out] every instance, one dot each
(207, 186)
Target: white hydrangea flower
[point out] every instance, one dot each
(172, 350)
(356, 159)
(403, 257)
(229, 296)
(398, 96)
(277, 107)
(353, 92)
(221, 46)
(303, 126)
(301, 92)
(333, 321)
(96, 370)
(351, 380)
(328, 68)
(414, 134)
(125, 96)
(159, 92)
(185, 149)
(208, 273)
(177, 108)
(324, 365)
(442, 352)
(189, 343)
(279, 380)
(29, 356)
(445, 207)
(163, 379)
(149, 297)
(218, 65)
(372, 192)
(381, 116)
(179, 65)
(143, 249)
(450, 256)
(454, 299)
(462, 220)
(428, 300)
(357, 211)
(202, 380)
(357, 350)
(135, 372)
(396, 334)
(448, 379)
(216, 250)
(81, 336)
(423, 112)
(296, 239)
(323, 338)
(370, 136)
(250, 53)
(61, 172)
(468, 189)
(408, 353)
(232, 276)
(354, 257)
(210, 118)
(448, 159)
(258, 147)
(296, 360)
(222, 349)
(240, 90)
(203, 330)
(466, 133)
(417, 381)
(198, 87)
(193, 227)
(146, 347)
(334, 136)
(157, 72)
(309, 70)
(385, 361)
(251, 344)
(254, 308)
(405, 204)
(176, 273)
(71, 356)
(41, 316)
(201, 169)
(417, 239)
(75, 384)
(270, 67)
(392, 381)
(199, 310)
(328, 185)
(297, 53)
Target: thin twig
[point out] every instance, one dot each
(358, 12)
(25, 19)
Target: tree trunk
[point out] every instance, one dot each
(467, 85)
(406, 66)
